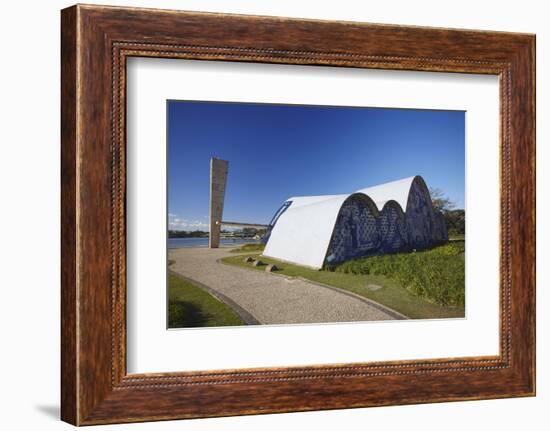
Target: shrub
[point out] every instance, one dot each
(436, 275)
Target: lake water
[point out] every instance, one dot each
(203, 242)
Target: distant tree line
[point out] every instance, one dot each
(187, 234)
(247, 232)
(455, 219)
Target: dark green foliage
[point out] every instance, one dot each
(455, 221)
(454, 218)
(436, 275)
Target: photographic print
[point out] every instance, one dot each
(299, 214)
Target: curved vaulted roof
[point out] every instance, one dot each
(303, 231)
(393, 191)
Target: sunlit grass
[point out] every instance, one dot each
(190, 306)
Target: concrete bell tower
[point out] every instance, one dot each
(218, 179)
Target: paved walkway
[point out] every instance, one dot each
(265, 298)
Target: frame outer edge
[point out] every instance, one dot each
(530, 81)
(533, 54)
(88, 397)
(69, 195)
(523, 216)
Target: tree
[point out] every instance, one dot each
(455, 219)
(441, 202)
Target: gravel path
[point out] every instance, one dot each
(268, 298)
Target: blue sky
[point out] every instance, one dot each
(279, 151)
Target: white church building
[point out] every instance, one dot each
(316, 230)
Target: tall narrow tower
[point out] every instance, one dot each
(218, 178)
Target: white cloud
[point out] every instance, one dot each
(178, 223)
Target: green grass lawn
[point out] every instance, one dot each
(392, 294)
(190, 306)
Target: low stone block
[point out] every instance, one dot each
(257, 263)
(271, 267)
(248, 259)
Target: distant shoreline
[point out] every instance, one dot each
(202, 242)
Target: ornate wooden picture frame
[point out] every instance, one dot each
(96, 41)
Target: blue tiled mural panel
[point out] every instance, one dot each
(362, 230)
